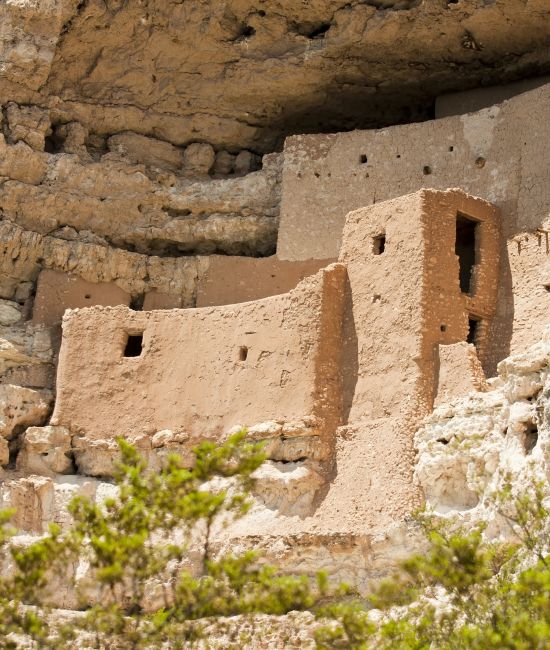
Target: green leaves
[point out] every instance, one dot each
(136, 544)
(463, 592)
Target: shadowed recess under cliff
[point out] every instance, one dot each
(247, 73)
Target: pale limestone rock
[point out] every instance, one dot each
(121, 205)
(287, 487)
(29, 124)
(100, 458)
(467, 447)
(198, 159)
(162, 438)
(246, 162)
(71, 138)
(305, 427)
(24, 291)
(22, 164)
(21, 407)
(28, 38)
(32, 499)
(293, 449)
(45, 451)
(97, 458)
(93, 262)
(11, 357)
(4, 453)
(265, 430)
(10, 312)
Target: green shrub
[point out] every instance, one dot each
(462, 592)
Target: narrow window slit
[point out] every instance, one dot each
(243, 353)
(473, 327)
(379, 244)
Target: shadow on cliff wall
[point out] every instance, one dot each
(501, 330)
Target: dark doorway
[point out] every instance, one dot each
(466, 249)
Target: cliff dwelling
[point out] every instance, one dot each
(293, 218)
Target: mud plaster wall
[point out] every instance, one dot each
(57, 291)
(529, 258)
(395, 304)
(498, 154)
(204, 371)
(229, 280)
(447, 309)
(406, 299)
(459, 372)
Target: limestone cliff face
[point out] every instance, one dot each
(468, 447)
(242, 74)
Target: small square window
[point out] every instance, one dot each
(134, 345)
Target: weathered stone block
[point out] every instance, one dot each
(198, 159)
(45, 451)
(20, 407)
(29, 124)
(143, 150)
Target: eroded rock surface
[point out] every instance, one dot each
(243, 74)
(468, 447)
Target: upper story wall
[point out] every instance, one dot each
(409, 295)
(204, 371)
(498, 154)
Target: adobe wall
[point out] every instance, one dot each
(202, 372)
(396, 302)
(448, 309)
(495, 154)
(529, 260)
(227, 280)
(498, 154)
(459, 372)
(57, 291)
(407, 300)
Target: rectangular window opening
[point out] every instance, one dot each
(473, 330)
(134, 345)
(379, 244)
(466, 246)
